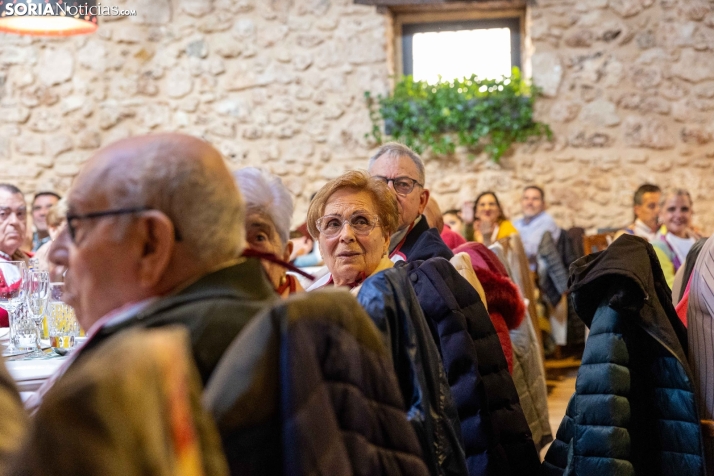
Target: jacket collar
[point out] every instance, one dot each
(423, 243)
(420, 226)
(243, 280)
(629, 275)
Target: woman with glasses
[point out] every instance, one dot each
(269, 210)
(352, 218)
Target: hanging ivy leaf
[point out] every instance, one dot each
(482, 114)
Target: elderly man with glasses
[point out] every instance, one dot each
(154, 236)
(403, 171)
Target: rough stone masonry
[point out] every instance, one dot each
(628, 85)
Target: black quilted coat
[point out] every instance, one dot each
(390, 301)
(497, 439)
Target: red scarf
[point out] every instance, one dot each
(290, 281)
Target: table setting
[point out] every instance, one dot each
(43, 329)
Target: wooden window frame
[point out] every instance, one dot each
(409, 29)
(411, 18)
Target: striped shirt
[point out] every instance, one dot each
(700, 332)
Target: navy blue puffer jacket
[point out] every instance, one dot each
(390, 301)
(497, 439)
(633, 411)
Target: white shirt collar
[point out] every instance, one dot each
(641, 229)
(398, 236)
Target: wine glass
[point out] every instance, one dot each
(12, 292)
(61, 322)
(38, 293)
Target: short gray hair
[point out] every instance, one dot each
(202, 201)
(265, 193)
(395, 150)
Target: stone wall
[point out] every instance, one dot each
(274, 83)
(629, 88)
(280, 83)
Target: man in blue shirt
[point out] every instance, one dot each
(535, 221)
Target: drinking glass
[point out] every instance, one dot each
(61, 321)
(12, 293)
(38, 292)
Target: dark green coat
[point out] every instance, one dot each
(214, 309)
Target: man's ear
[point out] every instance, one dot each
(156, 236)
(423, 200)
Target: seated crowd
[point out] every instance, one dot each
(415, 350)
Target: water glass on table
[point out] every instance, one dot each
(24, 330)
(61, 321)
(37, 296)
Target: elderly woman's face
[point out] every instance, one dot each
(676, 214)
(349, 255)
(262, 236)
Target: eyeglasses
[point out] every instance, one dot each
(402, 185)
(361, 223)
(72, 219)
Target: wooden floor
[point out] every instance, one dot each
(561, 385)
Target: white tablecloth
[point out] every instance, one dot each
(30, 374)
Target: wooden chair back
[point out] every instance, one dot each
(595, 243)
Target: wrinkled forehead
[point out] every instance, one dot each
(11, 200)
(392, 167)
(347, 201)
(258, 219)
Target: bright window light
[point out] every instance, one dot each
(457, 54)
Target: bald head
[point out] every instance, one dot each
(180, 175)
(146, 216)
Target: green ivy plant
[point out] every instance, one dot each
(486, 115)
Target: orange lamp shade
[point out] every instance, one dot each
(48, 17)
